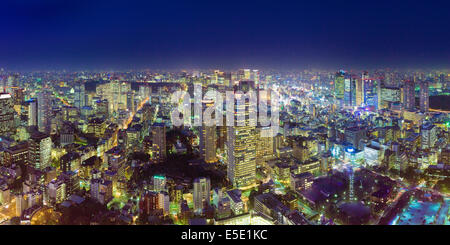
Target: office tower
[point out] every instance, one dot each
(159, 183)
(32, 112)
(72, 181)
(389, 95)
(428, 136)
(56, 191)
(163, 202)
(359, 92)
(208, 138)
(264, 146)
(409, 101)
(16, 155)
(339, 85)
(11, 83)
(6, 114)
(144, 91)
(241, 143)
(159, 141)
(40, 150)
(370, 91)
(101, 108)
(254, 76)
(208, 143)
(110, 92)
(202, 189)
(18, 95)
(354, 136)
(44, 111)
(349, 90)
(79, 95)
(424, 97)
(101, 190)
(125, 90)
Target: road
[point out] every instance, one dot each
(8, 211)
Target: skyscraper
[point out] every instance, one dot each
(339, 85)
(254, 76)
(44, 111)
(6, 113)
(241, 143)
(208, 139)
(159, 183)
(32, 112)
(202, 192)
(40, 150)
(424, 97)
(159, 141)
(370, 91)
(408, 95)
(349, 90)
(79, 96)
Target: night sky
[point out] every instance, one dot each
(229, 34)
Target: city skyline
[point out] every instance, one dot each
(186, 114)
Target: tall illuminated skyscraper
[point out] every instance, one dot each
(339, 85)
(40, 147)
(349, 90)
(159, 141)
(159, 183)
(202, 193)
(254, 76)
(408, 95)
(424, 97)
(79, 96)
(241, 144)
(370, 91)
(6, 113)
(44, 111)
(208, 139)
(208, 143)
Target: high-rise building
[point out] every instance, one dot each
(208, 143)
(424, 97)
(339, 85)
(164, 202)
(40, 150)
(159, 183)
(159, 141)
(44, 111)
(408, 95)
(101, 190)
(79, 95)
(349, 90)
(360, 91)
(6, 114)
(370, 91)
(32, 109)
(202, 193)
(241, 143)
(428, 136)
(264, 146)
(254, 76)
(208, 139)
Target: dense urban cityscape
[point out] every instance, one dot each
(352, 147)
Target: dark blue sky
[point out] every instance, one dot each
(51, 34)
